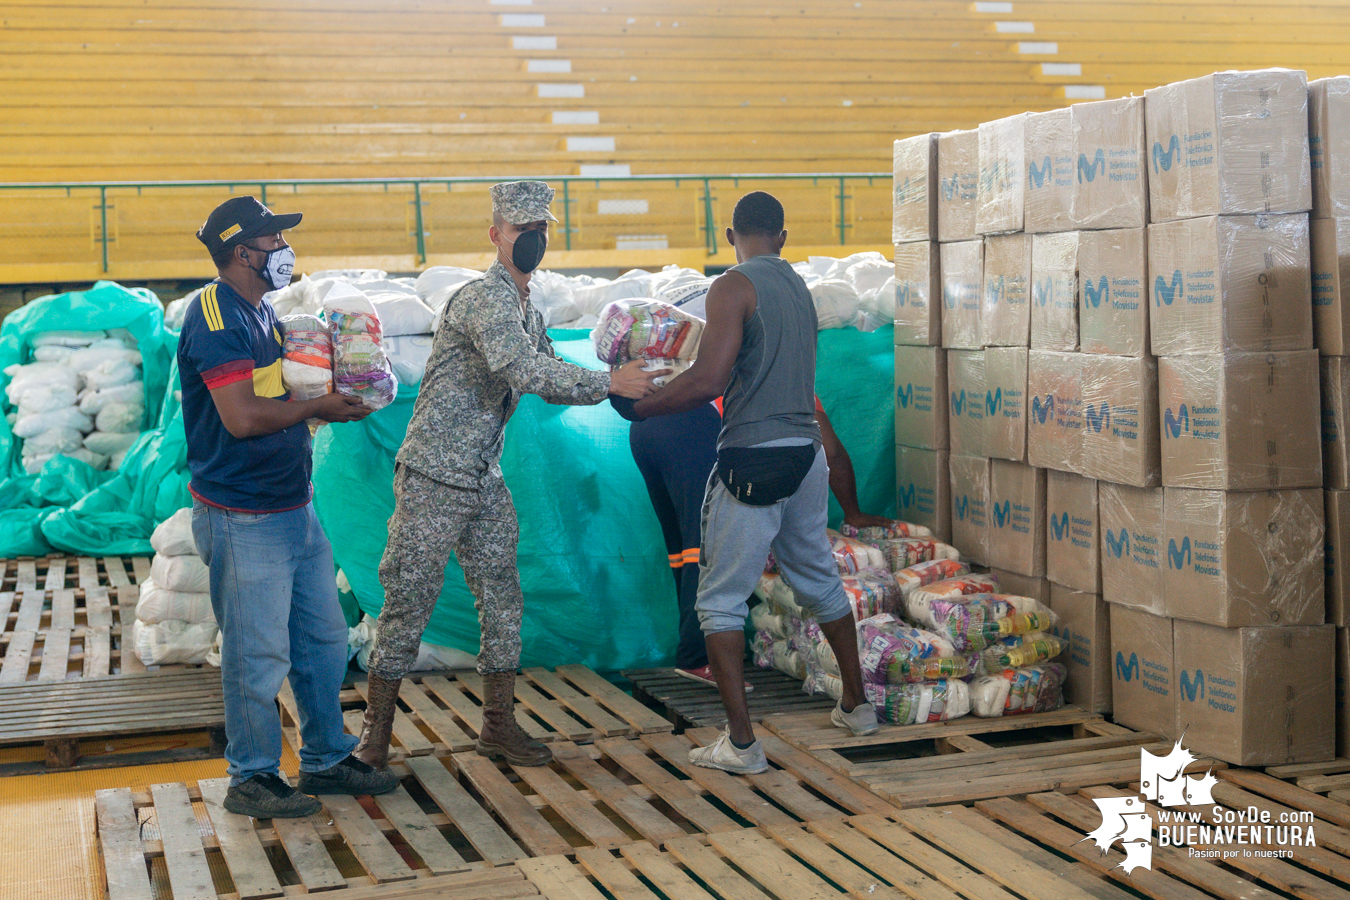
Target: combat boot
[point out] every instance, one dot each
(502, 736)
(378, 726)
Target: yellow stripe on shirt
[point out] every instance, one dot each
(267, 382)
(211, 309)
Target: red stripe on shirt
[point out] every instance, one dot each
(228, 373)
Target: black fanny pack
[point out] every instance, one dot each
(761, 476)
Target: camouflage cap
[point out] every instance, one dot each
(522, 202)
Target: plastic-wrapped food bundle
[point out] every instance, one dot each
(892, 652)
(906, 704)
(158, 605)
(916, 576)
(307, 356)
(185, 574)
(896, 529)
(901, 553)
(676, 366)
(974, 621)
(852, 555)
(953, 587)
(360, 368)
(1018, 691)
(871, 591)
(642, 328)
(172, 642)
(764, 617)
(773, 588)
(1018, 650)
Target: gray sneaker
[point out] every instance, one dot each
(351, 776)
(862, 721)
(724, 755)
(266, 796)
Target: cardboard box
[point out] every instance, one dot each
(923, 489)
(1230, 283)
(1073, 534)
(1342, 694)
(921, 397)
(1050, 171)
(1228, 143)
(1133, 550)
(1085, 625)
(1335, 373)
(1331, 285)
(1256, 696)
(1113, 292)
(1240, 421)
(918, 294)
(1019, 585)
(958, 185)
(1055, 410)
(1002, 188)
(1108, 143)
(962, 268)
(1143, 678)
(1005, 395)
(914, 214)
(1120, 415)
(1054, 291)
(966, 402)
(1017, 518)
(1245, 558)
(1337, 506)
(1329, 145)
(970, 507)
(1005, 320)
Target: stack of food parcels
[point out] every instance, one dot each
(82, 396)
(341, 351)
(174, 620)
(935, 641)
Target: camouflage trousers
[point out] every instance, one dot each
(430, 520)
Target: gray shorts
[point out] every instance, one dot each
(736, 541)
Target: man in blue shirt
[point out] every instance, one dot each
(273, 589)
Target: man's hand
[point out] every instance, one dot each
(863, 520)
(340, 408)
(630, 381)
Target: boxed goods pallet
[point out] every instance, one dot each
(1055, 410)
(966, 402)
(1329, 145)
(1005, 391)
(970, 506)
(1143, 672)
(1230, 143)
(1085, 625)
(1330, 284)
(1050, 171)
(1335, 375)
(1230, 283)
(914, 216)
(921, 396)
(1017, 518)
(1005, 319)
(962, 267)
(1133, 549)
(1337, 507)
(958, 185)
(1239, 558)
(1113, 292)
(1073, 538)
(1256, 696)
(1110, 190)
(1054, 291)
(1240, 421)
(918, 294)
(1120, 419)
(1002, 185)
(923, 489)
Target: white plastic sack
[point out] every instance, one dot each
(430, 657)
(38, 375)
(436, 284)
(53, 440)
(402, 314)
(110, 442)
(111, 373)
(53, 353)
(102, 353)
(67, 338)
(173, 536)
(408, 354)
(551, 294)
(93, 401)
(115, 461)
(40, 398)
(160, 604)
(836, 303)
(172, 643)
(181, 574)
(66, 417)
(689, 296)
(120, 417)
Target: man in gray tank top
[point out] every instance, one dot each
(770, 488)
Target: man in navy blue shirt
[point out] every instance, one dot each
(272, 577)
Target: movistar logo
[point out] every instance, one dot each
(1166, 293)
(902, 191)
(948, 187)
(1042, 290)
(1036, 175)
(901, 293)
(1118, 546)
(949, 298)
(907, 496)
(1173, 425)
(958, 402)
(993, 401)
(1098, 294)
(905, 395)
(1045, 410)
(1191, 688)
(1087, 171)
(1001, 513)
(1059, 525)
(1162, 159)
(962, 505)
(1098, 417)
(993, 294)
(1179, 557)
(1127, 672)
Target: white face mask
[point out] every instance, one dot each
(279, 268)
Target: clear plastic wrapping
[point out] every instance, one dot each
(915, 189)
(871, 591)
(642, 328)
(958, 185)
(1144, 680)
(1054, 291)
(1050, 171)
(307, 356)
(923, 489)
(1120, 440)
(914, 577)
(1084, 624)
(1002, 187)
(1329, 146)
(851, 555)
(1018, 651)
(908, 704)
(1016, 517)
(1055, 410)
(1338, 572)
(1005, 317)
(918, 294)
(1133, 550)
(894, 529)
(1111, 190)
(360, 368)
(966, 402)
(900, 553)
(974, 621)
(1331, 285)
(1113, 295)
(962, 267)
(892, 652)
(1005, 392)
(923, 595)
(1073, 540)
(1016, 692)
(921, 418)
(970, 506)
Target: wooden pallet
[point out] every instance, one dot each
(970, 758)
(65, 618)
(1331, 779)
(442, 714)
(692, 705)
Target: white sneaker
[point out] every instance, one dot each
(862, 721)
(724, 755)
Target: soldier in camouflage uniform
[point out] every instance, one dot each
(490, 348)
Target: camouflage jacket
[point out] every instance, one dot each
(486, 353)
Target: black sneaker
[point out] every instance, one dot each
(351, 776)
(265, 796)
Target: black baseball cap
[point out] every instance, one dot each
(238, 219)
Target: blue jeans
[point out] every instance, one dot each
(275, 599)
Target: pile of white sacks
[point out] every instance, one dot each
(174, 622)
(857, 291)
(82, 396)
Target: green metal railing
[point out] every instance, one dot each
(130, 222)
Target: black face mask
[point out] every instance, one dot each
(528, 251)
